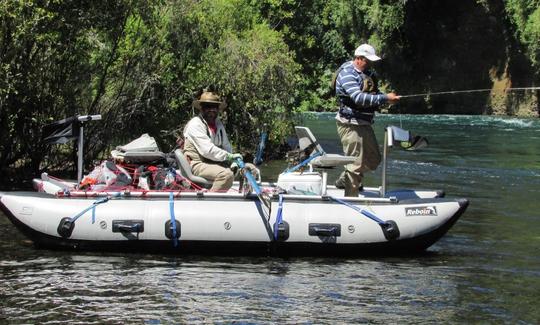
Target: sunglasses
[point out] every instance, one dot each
(210, 106)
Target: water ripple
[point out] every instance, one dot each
(485, 270)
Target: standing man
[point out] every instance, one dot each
(359, 98)
(206, 143)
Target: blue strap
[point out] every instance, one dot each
(362, 211)
(173, 219)
(92, 207)
(303, 163)
(279, 217)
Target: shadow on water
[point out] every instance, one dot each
(486, 269)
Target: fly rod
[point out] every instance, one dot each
(467, 91)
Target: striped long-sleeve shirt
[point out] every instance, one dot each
(354, 101)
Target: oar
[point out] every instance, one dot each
(264, 202)
(260, 149)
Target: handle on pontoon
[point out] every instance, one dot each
(324, 229)
(128, 226)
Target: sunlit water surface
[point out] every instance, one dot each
(486, 269)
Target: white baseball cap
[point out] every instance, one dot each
(367, 51)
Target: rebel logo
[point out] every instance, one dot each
(421, 211)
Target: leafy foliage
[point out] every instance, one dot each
(526, 16)
(45, 69)
(140, 63)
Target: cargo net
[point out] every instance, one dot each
(158, 176)
(118, 176)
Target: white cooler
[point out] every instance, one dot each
(306, 183)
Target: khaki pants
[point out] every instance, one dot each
(222, 177)
(216, 172)
(359, 141)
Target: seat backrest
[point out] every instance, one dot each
(185, 169)
(404, 139)
(307, 139)
(396, 135)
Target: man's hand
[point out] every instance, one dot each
(234, 167)
(234, 156)
(393, 98)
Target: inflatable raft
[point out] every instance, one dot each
(298, 215)
(215, 223)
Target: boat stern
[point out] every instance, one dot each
(423, 242)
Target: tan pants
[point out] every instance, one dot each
(217, 172)
(359, 141)
(222, 177)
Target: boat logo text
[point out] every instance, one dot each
(421, 211)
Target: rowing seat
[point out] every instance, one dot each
(185, 169)
(306, 139)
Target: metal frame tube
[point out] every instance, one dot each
(80, 154)
(82, 119)
(385, 152)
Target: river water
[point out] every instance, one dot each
(486, 269)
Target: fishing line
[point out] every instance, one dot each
(466, 91)
(457, 92)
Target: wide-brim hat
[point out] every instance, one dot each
(209, 97)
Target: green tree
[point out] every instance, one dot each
(45, 70)
(324, 34)
(526, 17)
(226, 46)
(139, 64)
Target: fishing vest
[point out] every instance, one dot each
(191, 151)
(349, 109)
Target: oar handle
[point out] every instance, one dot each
(249, 177)
(240, 163)
(260, 149)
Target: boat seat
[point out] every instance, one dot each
(185, 169)
(325, 160)
(142, 150)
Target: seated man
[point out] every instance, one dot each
(206, 144)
